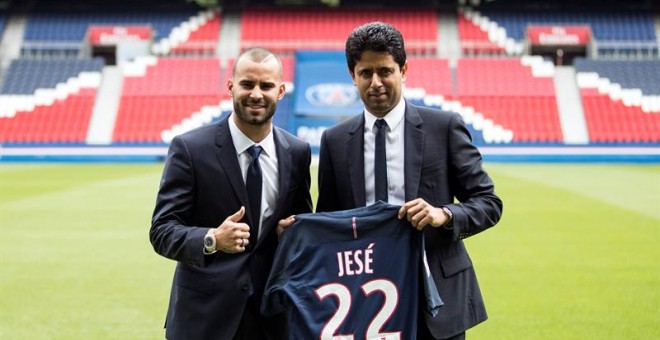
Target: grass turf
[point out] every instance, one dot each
(575, 255)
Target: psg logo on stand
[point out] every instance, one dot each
(331, 94)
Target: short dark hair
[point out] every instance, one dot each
(256, 54)
(376, 37)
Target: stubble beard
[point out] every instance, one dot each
(243, 116)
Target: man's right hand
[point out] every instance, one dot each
(232, 236)
(283, 224)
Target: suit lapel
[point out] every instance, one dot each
(414, 142)
(226, 153)
(284, 173)
(355, 159)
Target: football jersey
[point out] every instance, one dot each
(352, 274)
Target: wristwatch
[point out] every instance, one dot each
(209, 242)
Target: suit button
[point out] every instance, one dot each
(245, 286)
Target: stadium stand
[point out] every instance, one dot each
(48, 101)
(476, 40)
(199, 35)
(631, 32)
(431, 74)
(163, 94)
(63, 122)
(285, 30)
(606, 26)
(181, 85)
(519, 97)
(55, 27)
(629, 74)
(25, 76)
(621, 100)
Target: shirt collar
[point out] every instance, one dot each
(243, 142)
(392, 118)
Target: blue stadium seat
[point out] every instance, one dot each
(614, 31)
(58, 28)
(630, 74)
(24, 76)
(626, 26)
(72, 26)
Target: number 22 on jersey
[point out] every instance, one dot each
(343, 295)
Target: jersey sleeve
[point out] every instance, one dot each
(275, 298)
(433, 300)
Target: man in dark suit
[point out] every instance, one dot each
(225, 188)
(423, 160)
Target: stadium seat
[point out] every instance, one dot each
(65, 121)
(630, 74)
(621, 100)
(506, 91)
(630, 31)
(53, 27)
(474, 40)
(431, 74)
(25, 76)
(287, 29)
(48, 101)
(171, 90)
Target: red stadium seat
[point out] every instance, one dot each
(171, 90)
(610, 121)
(505, 91)
(284, 30)
(65, 121)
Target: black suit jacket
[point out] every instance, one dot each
(441, 165)
(201, 186)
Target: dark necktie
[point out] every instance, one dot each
(253, 182)
(380, 164)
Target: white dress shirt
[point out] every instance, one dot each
(268, 163)
(394, 147)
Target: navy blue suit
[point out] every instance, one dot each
(440, 165)
(201, 186)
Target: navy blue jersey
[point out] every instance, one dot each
(350, 273)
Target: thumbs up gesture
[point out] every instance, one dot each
(232, 236)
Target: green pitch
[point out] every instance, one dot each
(576, 255)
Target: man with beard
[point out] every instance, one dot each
(225, 189)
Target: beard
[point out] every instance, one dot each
(241, 109)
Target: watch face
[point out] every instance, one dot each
(208, 241)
